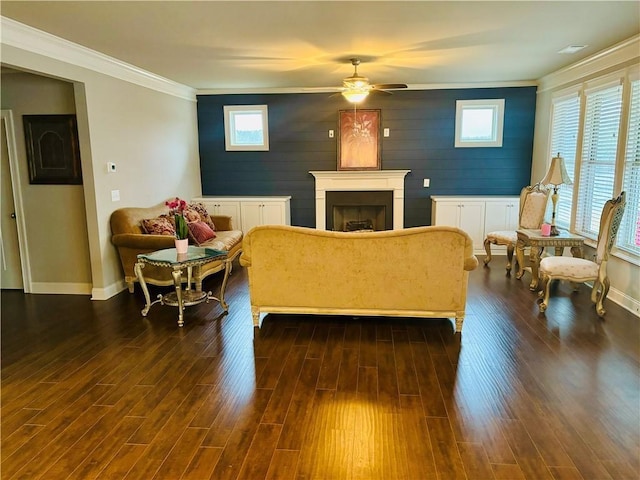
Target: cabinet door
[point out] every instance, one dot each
(501, 215)
(223, 207)
(472, 221)
(273, 213)
(230, 208)
(251, 213)
(447, 214)
(513, 220)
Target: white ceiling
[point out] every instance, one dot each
(213, 45)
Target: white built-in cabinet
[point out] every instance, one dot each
(476, 215)
(249, 212)
(224, 207)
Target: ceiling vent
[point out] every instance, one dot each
(573, 48)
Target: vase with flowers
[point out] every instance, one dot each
(177, 208)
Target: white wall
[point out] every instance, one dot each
(150, 133)
(624, 275)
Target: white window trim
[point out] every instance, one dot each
(497, 104)
(623, 78)
(229, 127)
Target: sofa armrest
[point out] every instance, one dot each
(143, 241)
(222, 222)
(470, 263)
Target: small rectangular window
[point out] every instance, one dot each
(246, 128)
(479, 123)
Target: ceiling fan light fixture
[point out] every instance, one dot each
(356, 82)
(355, 96)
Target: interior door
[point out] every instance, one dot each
(9, 247)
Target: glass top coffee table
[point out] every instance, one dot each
(179, 263)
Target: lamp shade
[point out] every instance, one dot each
(557, 174)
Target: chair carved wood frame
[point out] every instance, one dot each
(579, 270)
(533, 204)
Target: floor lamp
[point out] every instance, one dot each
(556, 176)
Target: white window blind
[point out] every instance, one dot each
(564, 138)
(598, 161)
(629, 233)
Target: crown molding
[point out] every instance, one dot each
(614, 56)
(36, 41)
(415, 86)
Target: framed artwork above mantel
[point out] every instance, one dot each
(359, 140)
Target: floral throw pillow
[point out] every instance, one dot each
(191, 215)
(161, 225)
(204, 214)
(200, 232)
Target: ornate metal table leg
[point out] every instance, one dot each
(177, 281)
(520, 258)
(227, 270)
(137, 268)
(534, 256)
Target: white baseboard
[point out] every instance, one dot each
(616, 296)
(109, 291)
(61, 288)
(625, 301)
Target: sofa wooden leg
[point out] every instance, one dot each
(130, 286)
(255, 313)
(459, 321)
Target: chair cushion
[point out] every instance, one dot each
(503, 237)
(533, 210)
(225, 240)
(569, 267)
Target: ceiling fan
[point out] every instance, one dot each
(356, 87)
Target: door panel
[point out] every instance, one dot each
(9, 246)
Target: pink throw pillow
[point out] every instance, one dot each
(200, 232)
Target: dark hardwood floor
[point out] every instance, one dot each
(93, 390)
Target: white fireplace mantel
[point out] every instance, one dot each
(361, 180)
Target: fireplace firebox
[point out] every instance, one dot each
(359, 211)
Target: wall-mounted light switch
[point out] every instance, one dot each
(115, 195)
(385, 132)
(426, 182)
(330, 133)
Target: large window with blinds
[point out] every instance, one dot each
(564, 140)
(629, 234)
(597, 132)
(603, 108)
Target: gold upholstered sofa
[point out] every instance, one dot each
(129, 237)
(414, 272)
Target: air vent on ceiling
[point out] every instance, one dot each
(573, 48)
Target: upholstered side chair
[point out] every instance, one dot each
(533, 204)
(579, 270)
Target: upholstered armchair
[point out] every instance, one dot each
(579, 270)
(533, 204)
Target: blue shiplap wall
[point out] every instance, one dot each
(421, 124)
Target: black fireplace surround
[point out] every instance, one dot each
(359, 210)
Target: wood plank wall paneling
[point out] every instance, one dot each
(421, 124)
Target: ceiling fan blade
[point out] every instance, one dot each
(388, 86)
(379, 92)
(322, 89)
